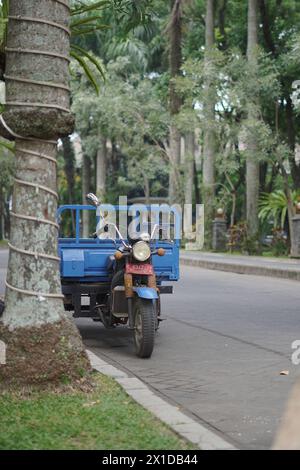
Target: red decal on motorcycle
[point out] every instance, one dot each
(144, 269)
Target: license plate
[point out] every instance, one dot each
(144, 269)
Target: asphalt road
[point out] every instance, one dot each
(220, 352)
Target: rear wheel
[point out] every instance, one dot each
(144, 326)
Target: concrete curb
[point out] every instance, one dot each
(181, 424)
(283, 273)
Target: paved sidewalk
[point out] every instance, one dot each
(273, 267)
(184, 426)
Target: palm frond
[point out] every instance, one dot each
(3, 22)
(82, 62)
(8, 145)
(83, 8)
(91, 29)
(84, 21)
(90, 57)
(275, 206)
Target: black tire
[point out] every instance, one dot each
(144, 322)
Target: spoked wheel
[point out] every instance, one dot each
(144, 327)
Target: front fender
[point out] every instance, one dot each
(146, 292)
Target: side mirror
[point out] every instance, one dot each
(92, 198)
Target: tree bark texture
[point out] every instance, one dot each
(37, 55)
(42, 343)
(69, 167)
(209, 24)
(175, 154)
(175, 34)
(101, 169)
(29, 316)
(189, 167)
(86, 187)
(209, 149)
(252, 165)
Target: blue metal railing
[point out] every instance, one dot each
(134, 210)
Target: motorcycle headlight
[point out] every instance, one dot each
(141, 251)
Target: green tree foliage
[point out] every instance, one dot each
(123, 49)
(128, 113)
(273, 207)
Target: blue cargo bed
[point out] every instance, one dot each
(88, 259)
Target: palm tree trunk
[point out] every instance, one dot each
(252, 165)
(146, 189)
(175, 31)
(175, 155)
(42, 344)
(252, 29)
(86, 187)
(189, 160)
(209, 24)
(69, 167)
(101, 169)
(189, 166)
(209, 136)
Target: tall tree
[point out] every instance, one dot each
(189, 167)
(175, 57)
(69, 168)
(101, 160)
(252, 164)
(86, 188)
(209, 135)
(189, 161)
(42, 344)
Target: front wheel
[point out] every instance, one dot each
(144, 326)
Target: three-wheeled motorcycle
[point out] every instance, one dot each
(119, 280)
